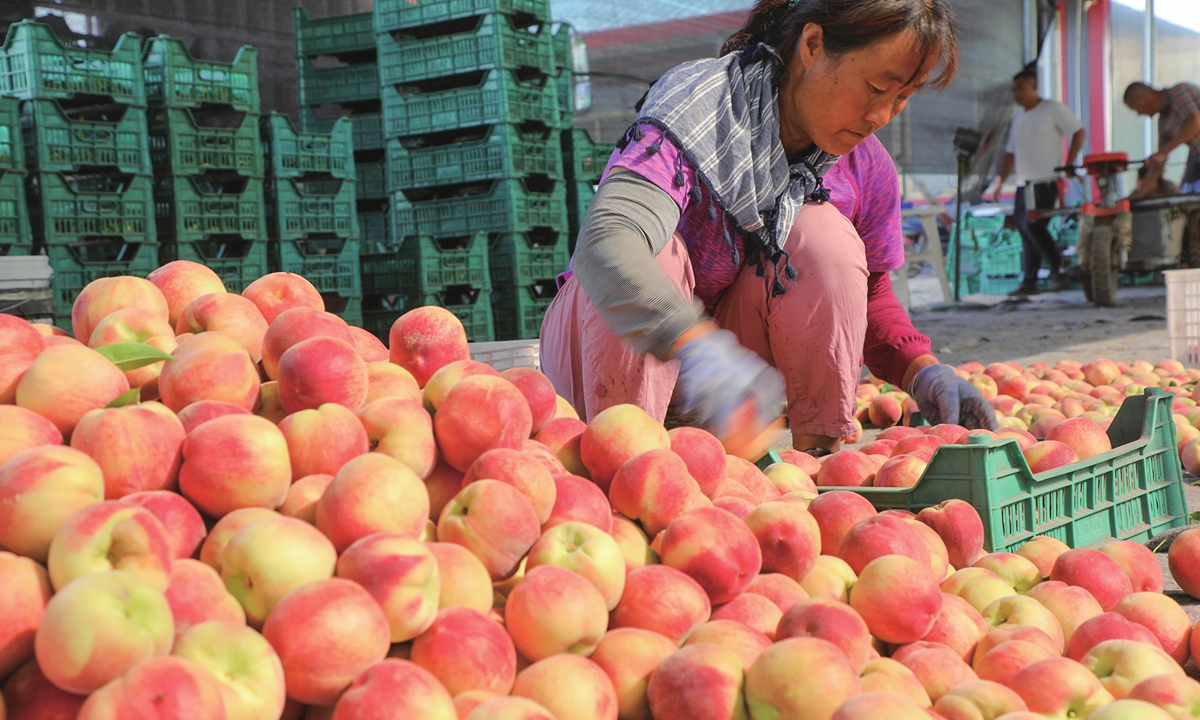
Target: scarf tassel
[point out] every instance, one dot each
(652, 150)
(697, 196)
(636, 133)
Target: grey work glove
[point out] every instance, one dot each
(944, 397)
(717, 375)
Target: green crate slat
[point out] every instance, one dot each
(330, 265)
(56, 143)
(176, 79)
(519, 310)
(374, 234)
(525, 258)
(188, 209)
(293, 153)
(403, 14)
(181, 146)
(380, 312)
(343, 84)
(336, 35)
(12, 149)
(585, 158)
(998, 285)
(1132, 492)
(507, 207)
(504, 153)
(63, 211)
(494, 42)
(499, 98)
(16, 236)
(371, 179)
(237, 262)
(564, 88)
(562, 47)
(366, 131)
(579, 197)
(349, 309)
(424, 265)
(303, 210)
(35, 64)
(77, 265)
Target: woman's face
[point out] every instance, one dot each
(836, 103)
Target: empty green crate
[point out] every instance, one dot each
(371, 179)
(236, 261)
(506, 207)
(70, 209)
(564, 87)
(15, 234)
(484, 42)
(499, 97)
(1002, 258)
(525, 258)
(299, 210)
(403, 14)
(473, 308)
(1132, 492)
(373, 232)
(293, 153)
(349, 309)
(421, 264)
(366, 131)
(181, 145)
(338, 35)
(334, 85)
(330, 265)
(585, 158)
(176, 79)
(562, 47)
(12, 151)
(76, 265)
(504, 151)
(196, 207)
(519, 310)
(34, 63)
(111, 137)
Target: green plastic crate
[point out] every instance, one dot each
(35, 64)
(525, 258)
(176, 79)
(338, 35)
(503, 151)
(424, 265)
(114, 137)
(16, 237)
(366, 131)
(519, 310)
(1132, 492)
(562, 47)
(484, 42)
(371, 179)
(313, 210)
(65, 209)
(508, 206)
(564, 88)
(403, 14)
(498, 97)
(77, 265)
(579, 197)
(585, 158)
(293, 154)
(349, 309)
(373, 232)
(334, 85)
(236, 261)
(196, 207)
(472, 307)
(330, 265)
(12, 151)
(181, 145)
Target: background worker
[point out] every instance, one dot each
(1178, 110)
(1034, 149)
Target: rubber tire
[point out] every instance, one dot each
(1104, 271)
(1085, 277)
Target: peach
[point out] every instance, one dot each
(878, 447)
(1189, 456)
(227, 313)
(1048, 455)
(213, 549)
(233, 462)
(885, 410)
(425, 339)
(959, 526)
(1101, 371)
(538, 392)
(698, 681)
(740, 507)
(104, 296)
(209, 366)
(830, 577)
(29, 695)
(269, 405)
(1025, 612)
(1043, 551)
(21, 343)
(538, 630)
(63, 383)
(1023, 438)
(1163, 617)
(520, 470)
(806, 462)
(372, 493)
(464, 581)
(979, 591)
(927, 443)
(1093, 570)
(1178, 696)
(591, 695)
(303, 496)
(492, 520)
(1138, 562)
(467, 651)
(1071, 605)
(27, 590)
(294, 326)
(979, 700)
(635, 546)
(111, 535)
(396, 688)
(481, 413)
(704, 456)
(1058, 687)
(655, 488)
(439, 384)
(1081, 435)
(716, 549)
(616, 435)
(509, 708)
(138, 447)
(754, 611)
(1013, 569)
(1183, 559)
(745, 473)
(39, 489)
(168, 688)
(1128, 710)
(577, 499)
(779, 589)
(789, 478)
(372, 349)
(442, 483)
(321, 370)
(197, 594)
(939, 670)
(847, 468)
(800, 678)
(884, 675)
(874, 598)
(629, 656)
(664, 600)
(958, 626)
(1002, 663)
(275, 293)
(202, 411)
(401, 574)
(836, 513)
(743, 641)
(24, 429)
(387, 380)
(562, 436)
(245, 664)
(904, 471)
(326, 633)
(880, 704)
(829, 620)
(881, 535)
(788, 536)
(403, 430)
(587, 551)
(543, 455)
(181, 282)
(1122, 664)
(320, 441)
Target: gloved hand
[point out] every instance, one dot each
(944, 397)
(717, 375)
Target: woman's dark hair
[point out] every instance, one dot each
(854, 24)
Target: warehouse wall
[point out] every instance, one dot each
(214, 30)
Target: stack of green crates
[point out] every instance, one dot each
(311, 210)
(83, 126)
(474, 168)
(208, 161)
(16, 237)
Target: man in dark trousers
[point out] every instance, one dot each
(1178, 110)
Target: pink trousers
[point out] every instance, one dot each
(813, 333)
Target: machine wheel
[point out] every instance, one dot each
(1085, 277)
(1104, 270)
(1191, 241)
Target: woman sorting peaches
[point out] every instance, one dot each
(738, 248)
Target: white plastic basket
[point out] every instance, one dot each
(1183, 315)
(508, 354)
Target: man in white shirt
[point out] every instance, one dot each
(1034, 149)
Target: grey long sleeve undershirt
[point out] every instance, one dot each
(628, 223)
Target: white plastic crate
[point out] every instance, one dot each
(1183, 315)
(508, 354)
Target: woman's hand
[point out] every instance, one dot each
(717, 376)
(944, 397)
